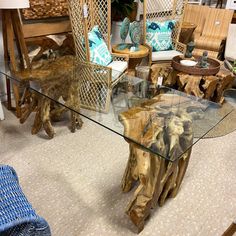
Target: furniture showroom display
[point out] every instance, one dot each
(160, 125)
(162, 93)
(208, 83)
(12, 28)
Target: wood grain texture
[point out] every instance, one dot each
(13, 30)
(42, 29)
(196, 14)
(40, 9)
(143, 51)
(209, 87)
(56, 80)
(157, 177)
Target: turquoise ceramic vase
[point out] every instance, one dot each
(124, 30)
(135, 35)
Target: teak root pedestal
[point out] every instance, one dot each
(209, 87)
(54, 83)
(158, 177)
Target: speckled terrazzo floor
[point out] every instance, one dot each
(73, 181)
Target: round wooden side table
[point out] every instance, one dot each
(209, 83)
(134, 57)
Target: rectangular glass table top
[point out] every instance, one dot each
(161, 120)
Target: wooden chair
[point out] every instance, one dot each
(214, 32)
(161, 11)
(97, 81)
(196, 14)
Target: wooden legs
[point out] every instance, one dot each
(231, 230)
(208, 87)
(12, 29)
(157, 178)
(55, 84)
(159, 173)
(47, 110)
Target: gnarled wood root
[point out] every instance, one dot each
(158, 177)
(56, 84)
(190, 84)
(208, 87)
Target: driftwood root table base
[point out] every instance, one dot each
(208, 87)
(157, 177)
(55, 84)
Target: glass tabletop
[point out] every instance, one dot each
(158, 119)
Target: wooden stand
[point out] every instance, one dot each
(209, 87)
(186, 33)
(135, 58)
(158, 177)
(11, 26)
(231, 230)
(55, 83)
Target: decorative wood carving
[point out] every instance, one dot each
(225, 81)
(55, 83)
(190, 84)
(158, 178)
(209, 87)
(40, 9)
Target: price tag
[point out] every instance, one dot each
(159, 81)
(85, 10)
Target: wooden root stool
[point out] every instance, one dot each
(158, 177)
(55, 83)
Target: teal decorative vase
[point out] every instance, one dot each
(124, 30)
(135, 35)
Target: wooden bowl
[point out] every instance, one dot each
(213, 68)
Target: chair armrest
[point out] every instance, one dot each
(209, 43)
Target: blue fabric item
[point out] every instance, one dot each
(17, 217)
(159, 35)
(99, 52)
